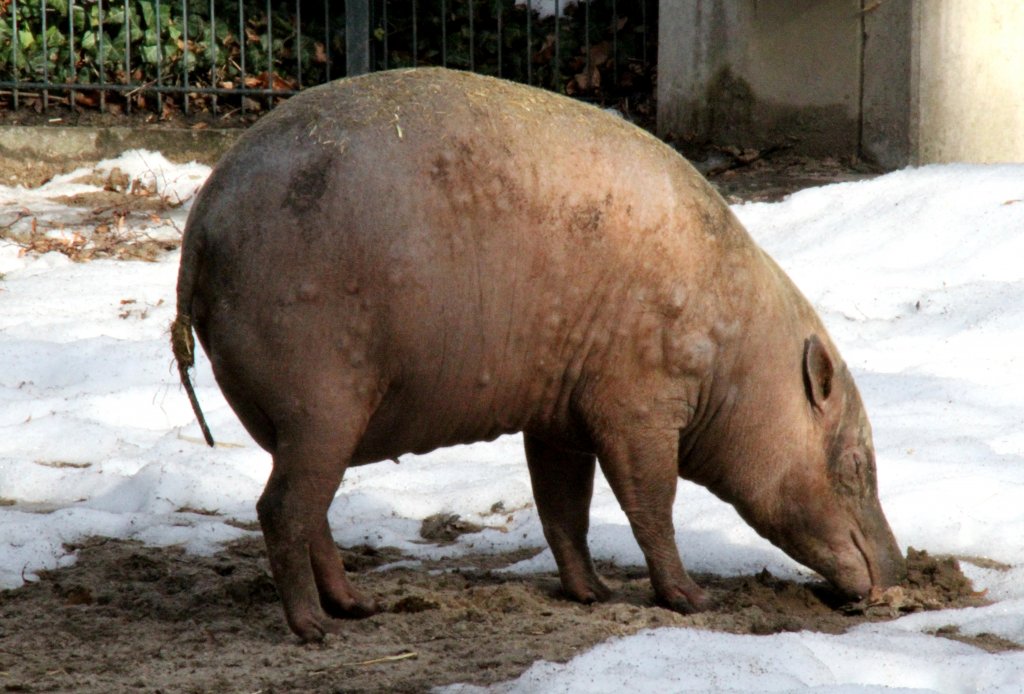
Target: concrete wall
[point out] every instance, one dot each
(894, 81)
(83, 143)
(758, 74)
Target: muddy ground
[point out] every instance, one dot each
(129, 618)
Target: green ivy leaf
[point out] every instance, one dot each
(54, 37)
(148, 12)
(61, 6)
(78, 18)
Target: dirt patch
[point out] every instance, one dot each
(985, 641)
(740, 178)
(31, 174)
(58, 115)
(115, 221)
(132, 618)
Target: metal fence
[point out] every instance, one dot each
(244, 55)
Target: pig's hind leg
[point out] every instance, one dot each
(310, 458)
(563, 483)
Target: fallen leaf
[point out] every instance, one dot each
(319, 53)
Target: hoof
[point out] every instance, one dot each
(593, 590)
(355, 607)
(685, 603)
(311, 628)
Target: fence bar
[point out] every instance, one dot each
(415, 40)
(444, 34)
(100, 31)
(270, 47)
(71, 48)
(615, 44)
(213, 55)
(586, 34)
(46, 56)
(529, 41)
(558, 45)
(14, 47)
(500, 13)
(357, 37)
(159, 62)
(327, 40)
(184, 57)
(472, 37)
(127, 52)
(384, 20)
(643, 6)
(243, 43)
(298, 45)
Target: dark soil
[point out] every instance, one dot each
(773, 176)
(15, 171)
(63, 116)
(131, 618)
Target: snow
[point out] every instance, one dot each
(918, 275)
(863, 660)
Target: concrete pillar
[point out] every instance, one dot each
(968, 78)
(357, 37)
(887, 101)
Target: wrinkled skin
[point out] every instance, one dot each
(415, 259)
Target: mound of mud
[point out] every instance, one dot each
(132, 618)
(931, 584)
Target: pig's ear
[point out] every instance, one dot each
(818, 371)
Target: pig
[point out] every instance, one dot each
(413, 259)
